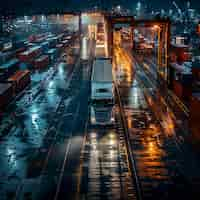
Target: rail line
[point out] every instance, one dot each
(148, 168)
(179, 103)
(132, 162)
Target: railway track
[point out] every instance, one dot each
(170, 97)
(158, 166)
(158, 162)
(106, 172)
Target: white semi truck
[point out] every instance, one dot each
(102, 87)
(102, 93)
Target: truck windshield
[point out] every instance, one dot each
(103, 90)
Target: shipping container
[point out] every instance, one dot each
(6, 92)
(30, 54)
(52, 42)
(32, 38)
(65, 42)
(60, 36)
(102, 88)
(41, 62)
(182, 73)
(6, 56)
(19, 44)
(20, 80)
(52, 53)
(182, 91)
(59, 48)
(7, 46)
(186, 79)
(19, 50)
(44, 46)
(180, 52)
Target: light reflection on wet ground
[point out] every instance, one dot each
(162, 164)
(105, 169)
(105, 173)
(34, 115)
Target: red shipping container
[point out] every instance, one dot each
(183, 92)
(196, 72)
(32, 38)
(41, 62)
(30, 54)
(177, 87)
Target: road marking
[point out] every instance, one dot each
(66, 155)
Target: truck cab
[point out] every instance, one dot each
(102, 115)
(102, 93)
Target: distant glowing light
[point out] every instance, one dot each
(156, 27)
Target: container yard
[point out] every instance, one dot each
(99, 100)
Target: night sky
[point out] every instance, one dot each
(64, 5)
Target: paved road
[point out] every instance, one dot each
(61, 156)
(23, 152)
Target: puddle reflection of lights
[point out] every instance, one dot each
(151, 148)
(93, 135)
(61, 70)
(111, 154)
(12, 157)
(34, 118)
(51, 83)
(112, 142)
(94, 147)
(111, 135)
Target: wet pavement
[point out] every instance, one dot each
(105, 171)
(46, 115)
(166, 166)
(105, 168)
(51, 150)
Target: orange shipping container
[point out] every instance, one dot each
(20, 80)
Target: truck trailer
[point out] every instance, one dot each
(102, 93)
(102, 87)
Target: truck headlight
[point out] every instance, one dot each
(93, 120)
(112, 119)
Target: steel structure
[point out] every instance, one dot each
(162, 26)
